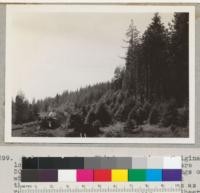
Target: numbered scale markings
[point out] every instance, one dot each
(139, 187)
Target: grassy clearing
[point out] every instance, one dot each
(115, 130)
(146, 130)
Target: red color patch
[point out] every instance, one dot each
(102, 175)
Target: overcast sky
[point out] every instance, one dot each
(53, 52)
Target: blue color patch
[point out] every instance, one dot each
(154, 175)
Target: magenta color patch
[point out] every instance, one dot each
(84, 175)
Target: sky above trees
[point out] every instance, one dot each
(53, 52)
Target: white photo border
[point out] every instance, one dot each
(103, 9)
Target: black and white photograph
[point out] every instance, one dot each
(100, 74)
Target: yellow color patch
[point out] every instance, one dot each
(119, 175)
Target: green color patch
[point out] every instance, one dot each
(137, 175)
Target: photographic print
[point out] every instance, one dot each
(100, 74)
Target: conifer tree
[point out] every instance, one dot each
(155, 58)
(131, 73)
(179, 52)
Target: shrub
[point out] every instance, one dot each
(108, 102)
(61, 117)
(137, 114)
(114, 109)
(96, 126)
(140, 116)
(154, 116)
(114, 97)
(119, 113)
(130, 125)
(76, 122)
(120, 98)
(182, 117)
(122, 112)
(129, 104)
(124, 109)
(84, 110)
(112, 106)
(102, 114)
(169, 115)
(91, 117)
(146, 109)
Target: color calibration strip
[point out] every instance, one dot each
(101, 169)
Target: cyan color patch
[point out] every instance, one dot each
(154, 175)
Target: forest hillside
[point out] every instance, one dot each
(148, 96)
